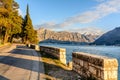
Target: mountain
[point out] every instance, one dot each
(110, 38)
(46, 35)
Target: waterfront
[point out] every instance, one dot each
(110, 51)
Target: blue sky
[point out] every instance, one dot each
(73, 14)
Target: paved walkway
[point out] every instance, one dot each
(20, 63)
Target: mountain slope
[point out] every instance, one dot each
(110, 38)
(45, 34)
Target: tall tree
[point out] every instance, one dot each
(29, 34)
(6, 23)
(10, 21)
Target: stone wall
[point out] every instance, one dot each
(33, 46)
(59, 53)
(92, 66)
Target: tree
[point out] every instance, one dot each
(5, 22)
(28, 33)
(12, 24)
(10, 21)
(16, 29)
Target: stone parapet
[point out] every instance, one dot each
(33, 46)
(59, 53)
(94, 66)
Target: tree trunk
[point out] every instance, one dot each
(5, 38)
(11, 39)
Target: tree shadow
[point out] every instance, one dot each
(19, 62)
(58, 72)
(27, 65)
(22, 50)
(3, 78)
(54, 70)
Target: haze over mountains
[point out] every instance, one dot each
(88, 30)
(86, 36)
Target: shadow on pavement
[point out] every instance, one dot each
(27, 64)
(22, 50)
(3, 78)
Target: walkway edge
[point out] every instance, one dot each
(37, 66)
(42, 70)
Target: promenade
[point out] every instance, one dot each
(17, 62)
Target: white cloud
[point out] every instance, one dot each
(106, 7)
(48, 25)
(100, 11)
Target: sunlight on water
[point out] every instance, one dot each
(110, 51)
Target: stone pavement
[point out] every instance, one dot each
(18, 62)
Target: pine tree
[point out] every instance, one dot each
(29, 34)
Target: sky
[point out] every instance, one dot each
(72, 14)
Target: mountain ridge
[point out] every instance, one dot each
(109, 38)
(49, 35)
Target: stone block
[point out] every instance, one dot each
(81, 63)
(110, 63)
(37, 48)
(98, 73)
(93, 70)
(70, 64)
(28, 45)
(101, 67)
(59, 53)
(86, 64)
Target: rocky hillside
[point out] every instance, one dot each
(48, 35)
(110, 38)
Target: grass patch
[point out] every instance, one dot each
(54, 69)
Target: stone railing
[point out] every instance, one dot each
(92, 66)
(59, 53)
(33, 46)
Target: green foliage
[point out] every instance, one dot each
(29, 34)
(10, 21)
(12, 24)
